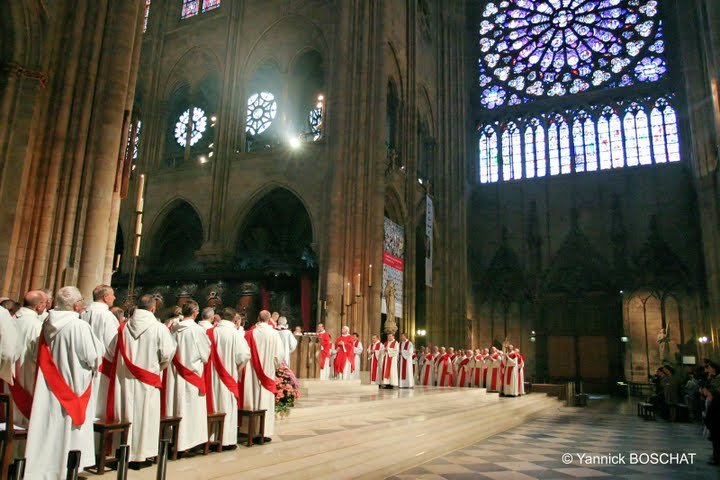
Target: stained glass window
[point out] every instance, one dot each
(261, 111)
(146, 14)
(133, 141)
(316, 120)
(626, 134)
(190, 8)
(532, 49)
(190, 129)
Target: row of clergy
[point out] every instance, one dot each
(82, 365)
(396, 363)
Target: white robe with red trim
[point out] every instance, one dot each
(445, 371)
(464, 372)
(427, 373)
(510, 381)
(234, 353)
(150, 346)
(271, 353)
(326, 366)
(479, 366)
(375, 362)
(9, 345)
(77, 353)
(105, 327)
(389, 367)
(521, 375)
(493, 380)
(358, 351)
(407, 351)
(183, 399)
(28, 329)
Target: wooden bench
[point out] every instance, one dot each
(216, 425)
(9, 433)
(646, 410)
(253, 415)
(172, 423)
(103, 454)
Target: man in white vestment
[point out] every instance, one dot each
(144, 348)
(229, 352)
(493, 381)
(479, 369)
(407, 354)
(419, 362)
(266, 354)
(375, 353)
(465, 369)
(427, 373)
(288, 339)
(105, 327)
(389, 367)
(521, 372)
(510, 377)
(324, 360)
(9, 345)
(29, 325)
(186, 388)
(68, 353)
(445, 373)
(358, 348)
(206, 319)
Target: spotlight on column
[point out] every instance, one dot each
(624, 339)
(294, 142)
(202, 159)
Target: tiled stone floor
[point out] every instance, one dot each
(534, 451)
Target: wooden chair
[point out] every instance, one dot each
(106, 431)
(216, 425)
(170, 423)
(9, 434)
(254, 415)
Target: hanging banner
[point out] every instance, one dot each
(393, 266)
(429, 218)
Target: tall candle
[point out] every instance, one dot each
(136, 250)
(141, 187)
(370, 276)
(347, 294)
(117, 262)
(357, 286)
(138, 224)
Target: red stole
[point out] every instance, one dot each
(427, 367)
(75, 405)
(374, 362)
(225, 377)
(387, 363)
(509, 370)
(344, 355)
(22, 398)
(325, 344)
(461, 367)
(267, 382)
(188, 375)
(478, 369)
(445, 364)
(403, 369)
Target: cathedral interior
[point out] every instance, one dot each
(541, 171)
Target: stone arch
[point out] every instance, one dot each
(201, 59)
(179, 225)
(395, 207)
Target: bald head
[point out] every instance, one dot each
(264, 316)
(35, 300)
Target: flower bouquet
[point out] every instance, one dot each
(288, 390)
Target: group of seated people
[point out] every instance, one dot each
(396, 363)
(68, 366)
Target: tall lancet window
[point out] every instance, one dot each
(555, 58)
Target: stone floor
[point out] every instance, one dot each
(535, 450)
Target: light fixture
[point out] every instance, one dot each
(703, 339)
(203, 159)
(213, 118)
(420, 181)
(294, 143)
(320, 98)
(624, 339)
(421, 333)
(532, 339)
(211, 154)
(621, 292)
(532, 332)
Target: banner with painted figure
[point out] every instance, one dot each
(429, 217)
(393, 266)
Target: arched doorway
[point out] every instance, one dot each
(274, 250)
(175, 240)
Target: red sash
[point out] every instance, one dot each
(461, 366)
(188, 375)
(106, 367)
(22, 398)
(145, 376)
(404, 361)
(207, 377)
(445, 362)
(325, 344)
(344, 356)
(75, 405)
(267, 382)
(387, 365)
(427, 367)
(374, 363)
(225, 377)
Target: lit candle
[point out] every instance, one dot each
(357, 286)
(370, 276)
(141, 186)
(347, 294)
(324, 304)
(136, 250)
(117, 262)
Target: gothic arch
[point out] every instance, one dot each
(395, 207)
(163, 212)
(176, 234)
(201, 59)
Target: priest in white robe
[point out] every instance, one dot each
(324, 360)
(144, 348)
(375, 354)
(493, 381)
(407, 360)
(9, 345)
(28, 329)
(510, 380)
(427, 375)
(68, 353)
(390, 362)
(521, 372)
(465, 369)
(288, 339)
(358, 348)
(266, 354)
(229, 352)
(206, 319)
(186, 389)
(104, 325)
(445, 373)
(419, 362)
